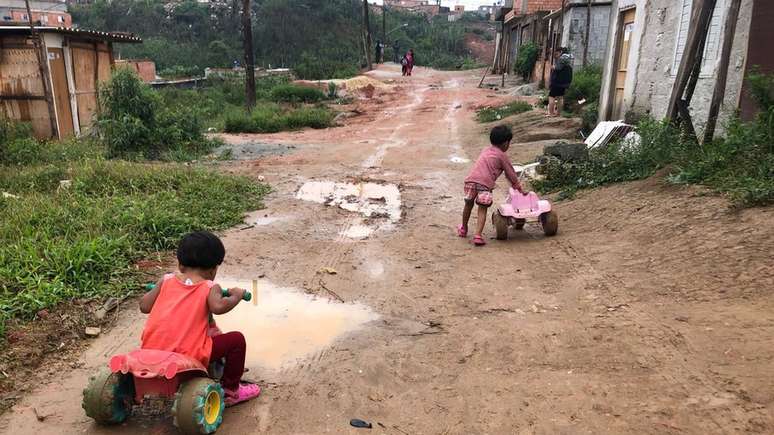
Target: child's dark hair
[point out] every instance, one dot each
(500, 136)
(201, 250)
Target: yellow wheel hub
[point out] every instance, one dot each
(212, 407)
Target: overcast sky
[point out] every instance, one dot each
(469, 4)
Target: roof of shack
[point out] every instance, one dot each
(81, 33)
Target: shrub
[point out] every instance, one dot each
(525, 60)
(589, 116)
(296, 94)
(271, 118)
(586, 85)
(135, 122)
(312, 67)
(491, 114)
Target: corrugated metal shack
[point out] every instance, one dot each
(76, 62)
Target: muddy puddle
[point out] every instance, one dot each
(370, 200)
(284, 325)
(249, 150)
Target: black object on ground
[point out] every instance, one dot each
(360, 424)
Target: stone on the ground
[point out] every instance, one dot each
(567, 152)
(92, 331)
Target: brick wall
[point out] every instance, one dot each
(52, 19)
(532, 6)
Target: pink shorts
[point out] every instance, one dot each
(481, 194)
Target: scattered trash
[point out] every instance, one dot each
(261, 178)
(360, 424)
(65, 184)
(93, 331)
(328, 270)
(606, 131)
(109, 305)
(10, 195)
(38, 415)
(458, 159)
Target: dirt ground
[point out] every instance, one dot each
(650, 312)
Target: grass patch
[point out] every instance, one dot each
(81, 242)
(491, 114)
(740, 165)
(296, 94)
(272, 118)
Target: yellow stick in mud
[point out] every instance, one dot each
(255, 292)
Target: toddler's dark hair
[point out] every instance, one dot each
(201, 250)
(500, 135)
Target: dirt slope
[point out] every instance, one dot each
(650, 312)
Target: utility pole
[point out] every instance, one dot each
(247, 35)
(384, 23)
(588, 31)
(41, 51)
(367, 35)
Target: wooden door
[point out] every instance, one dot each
(64, 112)
(624, 44)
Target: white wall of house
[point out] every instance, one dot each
(659, 34)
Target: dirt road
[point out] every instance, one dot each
(650, 312)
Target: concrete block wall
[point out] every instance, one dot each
(574, 35)
(652, 57)
(656, 72)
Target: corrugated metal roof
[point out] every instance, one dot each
(94, 34)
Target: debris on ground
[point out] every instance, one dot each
(567, 152)
(360, 424)
(92, 331)
(328, 270)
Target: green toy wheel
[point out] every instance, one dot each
(199, 406)
(109, 397)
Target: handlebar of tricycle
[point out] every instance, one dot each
(247, 297)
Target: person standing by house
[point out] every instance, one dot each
(396, 51)
(561, 79)
(379, 52)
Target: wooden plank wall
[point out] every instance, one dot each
(21, 87)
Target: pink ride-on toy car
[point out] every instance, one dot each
(153, 378)
(521, 209)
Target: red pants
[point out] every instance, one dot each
(231, 346)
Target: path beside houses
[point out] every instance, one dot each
(650, 312)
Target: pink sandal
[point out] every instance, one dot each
(244, 393)
(478, 240)
(462, 232)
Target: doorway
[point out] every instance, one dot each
(622, 60)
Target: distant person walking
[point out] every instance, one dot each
(408, 63)
(561, 79)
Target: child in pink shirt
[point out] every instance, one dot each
(491, 163)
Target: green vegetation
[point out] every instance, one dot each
(526, 59)
(319, 40)
(271, 118)
(135, 123)
(296, 94)
(491, 114)
(80, 239)
(586, 85)
(740, 165)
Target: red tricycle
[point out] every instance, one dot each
(145, 375)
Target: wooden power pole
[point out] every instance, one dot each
(588, 31)
(697, 34)
(42, 52)
(367, 35)
(722, 75)
(247, 35)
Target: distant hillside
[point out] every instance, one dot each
(319, 39)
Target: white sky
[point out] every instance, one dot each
(470, 5)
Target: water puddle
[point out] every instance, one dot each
(357, 231)
(371, 200)
(261, 219)
(458, 159)
(285, 325)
